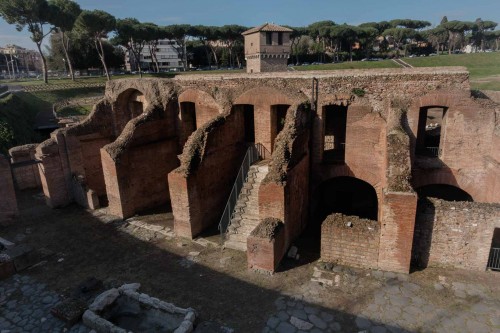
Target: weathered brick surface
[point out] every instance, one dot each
(54, 184)
(215, 154)
(456, 234)
(28, 176)
(396, 231)
(266, 249)
(380, 143)
(8, 203)
(351, 241)
(468, 136)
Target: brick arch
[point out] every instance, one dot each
(129, 103)
(206, 107)
(445, 177)
(371, 192)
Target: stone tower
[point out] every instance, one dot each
(267, 48)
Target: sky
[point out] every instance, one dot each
(288, 12)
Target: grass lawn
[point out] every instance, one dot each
(75, 110)
(102, 79)
(484, 68)
(350, 65)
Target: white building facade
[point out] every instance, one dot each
(166, 55)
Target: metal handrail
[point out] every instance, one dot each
(264, 154)
(254, 153)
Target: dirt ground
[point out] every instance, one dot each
(215, 282)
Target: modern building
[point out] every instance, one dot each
(16, 60)
(166, 55)
(267, 48)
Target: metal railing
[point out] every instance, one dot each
(254, 153)
(432, 151)
(494, 259)
(262, 151)
(429, 151)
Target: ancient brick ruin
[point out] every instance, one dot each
(361, 144)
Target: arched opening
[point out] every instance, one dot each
(431, 124)
(424, 222)
(135, 104)
(129, 104)
(278, 117)
(345, 195)
(335, 126)
(248, 120)
(348, 196)
(444, 192)
(188, 118)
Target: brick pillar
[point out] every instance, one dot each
(52, 174)
(26, 176)
(115, 177)
(186, 223)
(8, 203)
(396, 233)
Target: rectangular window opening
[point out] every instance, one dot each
(335, 124)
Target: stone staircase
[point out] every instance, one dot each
(246, 212)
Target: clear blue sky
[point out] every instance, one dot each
(290, 12)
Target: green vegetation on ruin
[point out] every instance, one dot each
(75, 110)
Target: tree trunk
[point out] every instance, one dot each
(44, 63)
(207, 53)
(100, 51)
(185, 54)
(68, 60)
(215, 57)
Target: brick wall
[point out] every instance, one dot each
(52, 175)
(259, 65)
(456, 234)
(355, 244)
(396, 231)
(199, 189)
(8, 203)
(137, 163)
(467, 138)
(28, 176)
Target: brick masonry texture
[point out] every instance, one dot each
(137, 150)
(350, 241)
(8, 203)
(456, 234)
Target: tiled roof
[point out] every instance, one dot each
(267, 27)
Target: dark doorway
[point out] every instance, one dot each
(335, 124)
(249, 123)
(346, 195)
(278, 117)
(431, 122)
(188, 118)
(443, 191)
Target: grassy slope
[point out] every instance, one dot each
(75, 110)
(16, 117)
(19, 111)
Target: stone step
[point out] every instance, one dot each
(242, 229)
(236, 245)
